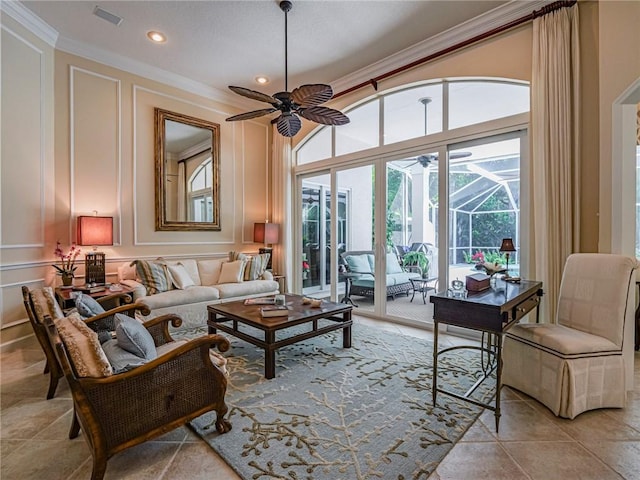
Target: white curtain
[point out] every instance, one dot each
(182, 193)
(281, 180)
(555, 151)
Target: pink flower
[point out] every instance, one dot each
(478, 257)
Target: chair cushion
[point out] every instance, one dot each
(83, 347)
(134, 338)
(153, 275)
(180, 277)
(252, 287)
(174, 298)
(358, 263)
(232, 272)
(120, 359)
(563, 340)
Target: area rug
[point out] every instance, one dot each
(332, 413)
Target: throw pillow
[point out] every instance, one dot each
(120, 359)
(254, 267)
(83, 347)
(232, 272)
(88, 306)
(180, 277)
(44, 303)
(209, 271)
(153, 275)
(134, 338)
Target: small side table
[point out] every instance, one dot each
(67, 300)
(421, 285)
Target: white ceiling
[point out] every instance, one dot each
(221, 43)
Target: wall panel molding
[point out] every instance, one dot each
(39, 243)
(73, 70)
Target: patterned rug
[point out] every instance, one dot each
(353, 414)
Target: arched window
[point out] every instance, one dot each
(200, 193)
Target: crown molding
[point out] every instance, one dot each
(476, 26)
(30, 21)
(145, 70)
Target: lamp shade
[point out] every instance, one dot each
(266, 233)
(95, 231)
(507, 245)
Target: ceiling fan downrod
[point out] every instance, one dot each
(285, 6)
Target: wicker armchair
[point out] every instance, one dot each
(123, 410)
(40, 302)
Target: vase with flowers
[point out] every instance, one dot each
(66, 268)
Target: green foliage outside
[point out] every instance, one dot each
(418, 259)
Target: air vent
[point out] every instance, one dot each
(109, 17)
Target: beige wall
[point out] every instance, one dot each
(102, 158)
(618, 68)
(26, 177)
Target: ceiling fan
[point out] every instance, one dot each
(303, 102)
(425, 160)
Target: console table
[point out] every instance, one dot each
(491, 312)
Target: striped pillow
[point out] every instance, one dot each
(153, 275)
(254, 266)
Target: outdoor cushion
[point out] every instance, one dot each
(358, 263)
(393, 266)
(134, 338)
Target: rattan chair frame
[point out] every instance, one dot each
(122, 302)
(124, 410)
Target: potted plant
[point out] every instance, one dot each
(417, 259)
(67, 266)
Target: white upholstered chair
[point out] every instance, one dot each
(577, 364)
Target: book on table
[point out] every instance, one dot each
(274, 311)
(260, 301)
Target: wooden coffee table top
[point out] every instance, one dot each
(298, 312)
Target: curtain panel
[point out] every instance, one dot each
(281, 159)
(555, 149)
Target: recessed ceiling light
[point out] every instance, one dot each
(156, 37)
(262, 80)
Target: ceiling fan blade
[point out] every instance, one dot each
(324, 115)
(312, 94)
(288, 124)
(254, 114)
(253, 95)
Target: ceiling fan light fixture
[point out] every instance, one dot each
(302, 102)
(262, 79)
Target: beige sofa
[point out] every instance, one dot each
(190, 301)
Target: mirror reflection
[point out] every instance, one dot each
(187, 165)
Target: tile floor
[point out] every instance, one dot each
(532, 443)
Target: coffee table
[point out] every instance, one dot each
(228, 317)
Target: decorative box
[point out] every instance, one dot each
(477, 282)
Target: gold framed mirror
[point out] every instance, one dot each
(187, 158)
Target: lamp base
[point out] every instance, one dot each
(94, 268)
(270, 252)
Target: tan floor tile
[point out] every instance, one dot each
(520, 422)
(623, 457)
(562, 460)
(597, 424)
(39, 459)
(478, 461)
(28, 417)
(147, 461)
(197, 461)
(478, 432)
(8, 446)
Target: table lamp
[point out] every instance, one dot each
(507, 247)
(95, 231)
(268, 234)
